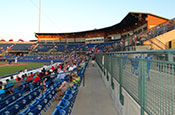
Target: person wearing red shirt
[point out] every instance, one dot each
(31, 74)
(37, 78)
(29, 79)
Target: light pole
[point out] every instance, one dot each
(39, 15)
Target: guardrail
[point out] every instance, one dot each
(150, 82)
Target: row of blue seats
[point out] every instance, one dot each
(21, 46)
(40, 104)
(21, 88)
(21, 102)
(66, 104)
(135, 64)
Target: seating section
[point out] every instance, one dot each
(40, 104)
(44, 47)
(18, 103)
(21, 103)
(3, 47)
(60, 47)
(21, 47)
(72, 47)
(18, 92)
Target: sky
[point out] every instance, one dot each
(19, 19)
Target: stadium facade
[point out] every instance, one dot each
(133, 22)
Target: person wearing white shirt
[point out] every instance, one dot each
(61, 74)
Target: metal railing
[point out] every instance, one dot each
(150, 82)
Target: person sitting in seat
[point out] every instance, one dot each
(1, 84)
(18, 83)
(2, 91)
(60, 76)
(62, 89)
(46, 79)
(13, 81)
(29, 78)
(74, 80)
(37, 78)
(9, 84)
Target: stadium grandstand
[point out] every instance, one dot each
(124, 69)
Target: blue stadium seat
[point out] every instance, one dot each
(148, 66)
(63, 108)
(10, 99)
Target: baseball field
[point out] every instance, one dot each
(6, 68)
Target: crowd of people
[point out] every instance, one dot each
(48, 77)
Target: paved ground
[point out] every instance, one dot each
(93, 99)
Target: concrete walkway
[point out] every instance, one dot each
(93, 99)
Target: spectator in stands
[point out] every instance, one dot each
(19, 83)
(62, 89)
(53, 68)
(71, 68)
(2, 91)
(36, 78)
(46, 79)
(13, 81)
(60, 75)
(17, 78)
(93, 60)
(8, 83)
(31, 74)
(1, 84)
(76, 79)
(43, 71)
(34, 75)
(29, 78)
(82, 64)
(23, 77)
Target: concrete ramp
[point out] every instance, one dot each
(93, 98)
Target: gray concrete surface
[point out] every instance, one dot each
(93, 99)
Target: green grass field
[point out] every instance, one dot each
(5, 70)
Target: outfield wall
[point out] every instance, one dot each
(39, 60)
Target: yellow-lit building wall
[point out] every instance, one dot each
(164, 38)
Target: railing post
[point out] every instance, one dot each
(142, 88)
(170, 57)
(112, 83)
(107, 64)
(121, 80)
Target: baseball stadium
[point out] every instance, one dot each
(124, 69)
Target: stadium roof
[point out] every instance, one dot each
(132, 18)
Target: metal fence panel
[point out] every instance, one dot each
(151, 83)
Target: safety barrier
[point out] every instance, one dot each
(150, 82)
